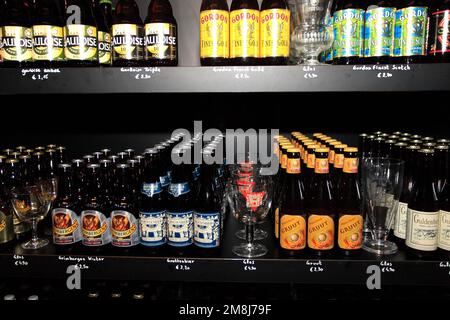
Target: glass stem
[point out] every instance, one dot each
(249, 234)
(34, 234)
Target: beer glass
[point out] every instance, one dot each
(382, 181)
(314, 33)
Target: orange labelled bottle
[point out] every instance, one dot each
(244, 32)
(214, 33)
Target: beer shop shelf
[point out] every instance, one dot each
(358, 78)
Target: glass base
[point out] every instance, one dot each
(312, 62)
(380, 247)
(34, 244)
(250, 250)
(258, 235)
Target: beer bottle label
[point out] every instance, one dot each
(151, 189)
(379, 32)
(214, 34)
(413, 31)
(127, 42)
(348, 33)
(95, 230)
(48, 43)
(400, 220)
(397, 47)
(320, 232)
(440, 37)
(17, 44)
(328, 54)
(275, 33)
(331, 157)
(160, 41)
(178, 189)
(444, 230)
(66, 226)
(6, 227)
(244, 33)
(180, 228)
(277, 222)
(104, 47)
(350, 232)
(284, 161)
(321, 165)
(310, 160)
(422, 230)
(207, 229)
(153, 228)
(124, 229)
(292, 232)
(293, 166)
(80, 42)
(338, 161)
(350, 165)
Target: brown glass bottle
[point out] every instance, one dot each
(105, 7)
(214, 33)
(103, 34)
(442, 164)
(244, 16)
(321, 207)
(444, 219)
(293, 228)
(423, 209)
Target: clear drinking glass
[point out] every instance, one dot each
(314, 33)
(382, 181)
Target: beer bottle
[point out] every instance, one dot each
(442, 166)
(444, 218)
(135, 178)
(275, 32)
(411, 27)
(348, 26)
(95, 215)
(244, 32)
(66, 209)
(79, 178)
(281, 181)
(349, 205)
(105, 7)
(162, 165)
(152, 208)
(124, 221)
(161, 35)
(439, 40)
(17, 35)
(423, 209)
(293, 231)
(127, 40)
(379, 31)
(103, 34)
(27, 170)
(80, 34)
(214, 33)
(6, 212)
(321, 207)
(338, 164)
(207, 210)
(180, 227)
(48, 33)
(107, 182)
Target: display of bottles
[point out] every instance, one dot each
(105, 7)
(103, 32)
(214, 33)
(160, 35)
(127, 34)
(244, 32)
(439, 31)
(80, 34)
(6, 212)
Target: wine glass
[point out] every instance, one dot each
(31, 205)
(252, 205)
(382, 180)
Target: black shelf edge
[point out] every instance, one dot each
(254, 79)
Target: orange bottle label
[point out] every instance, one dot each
(350, 165)
(321, 165)
(320, 232)
(339, 160)
(277, 222)
(284, 161)
(331, 156)
(275, 33)
(293, 166)
(350, 232)
(292, 232)
(311, 158)
(214, 34)
(244, 33)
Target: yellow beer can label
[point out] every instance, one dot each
(275, 33)
(48, 43)
(214, 34)
(17, 43)
(80, 42)
(160, 41)
(244, 33)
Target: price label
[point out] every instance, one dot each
(384, 75)
(20, 261)
(315, 266)
(182, 267)
(249, 265)
(176, 264)
(387, 267)
(39, 74)
(445, 265)
(242, 76)
(144, 73)
(81, 266)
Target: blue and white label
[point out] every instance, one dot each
(180, 228)
(178, 189)
(165, 181)
(151, 189)
(153, 227)
(207, 229)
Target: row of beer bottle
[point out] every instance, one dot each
(319, 212)
(87, 33)
(244, 34)
(379, 31)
